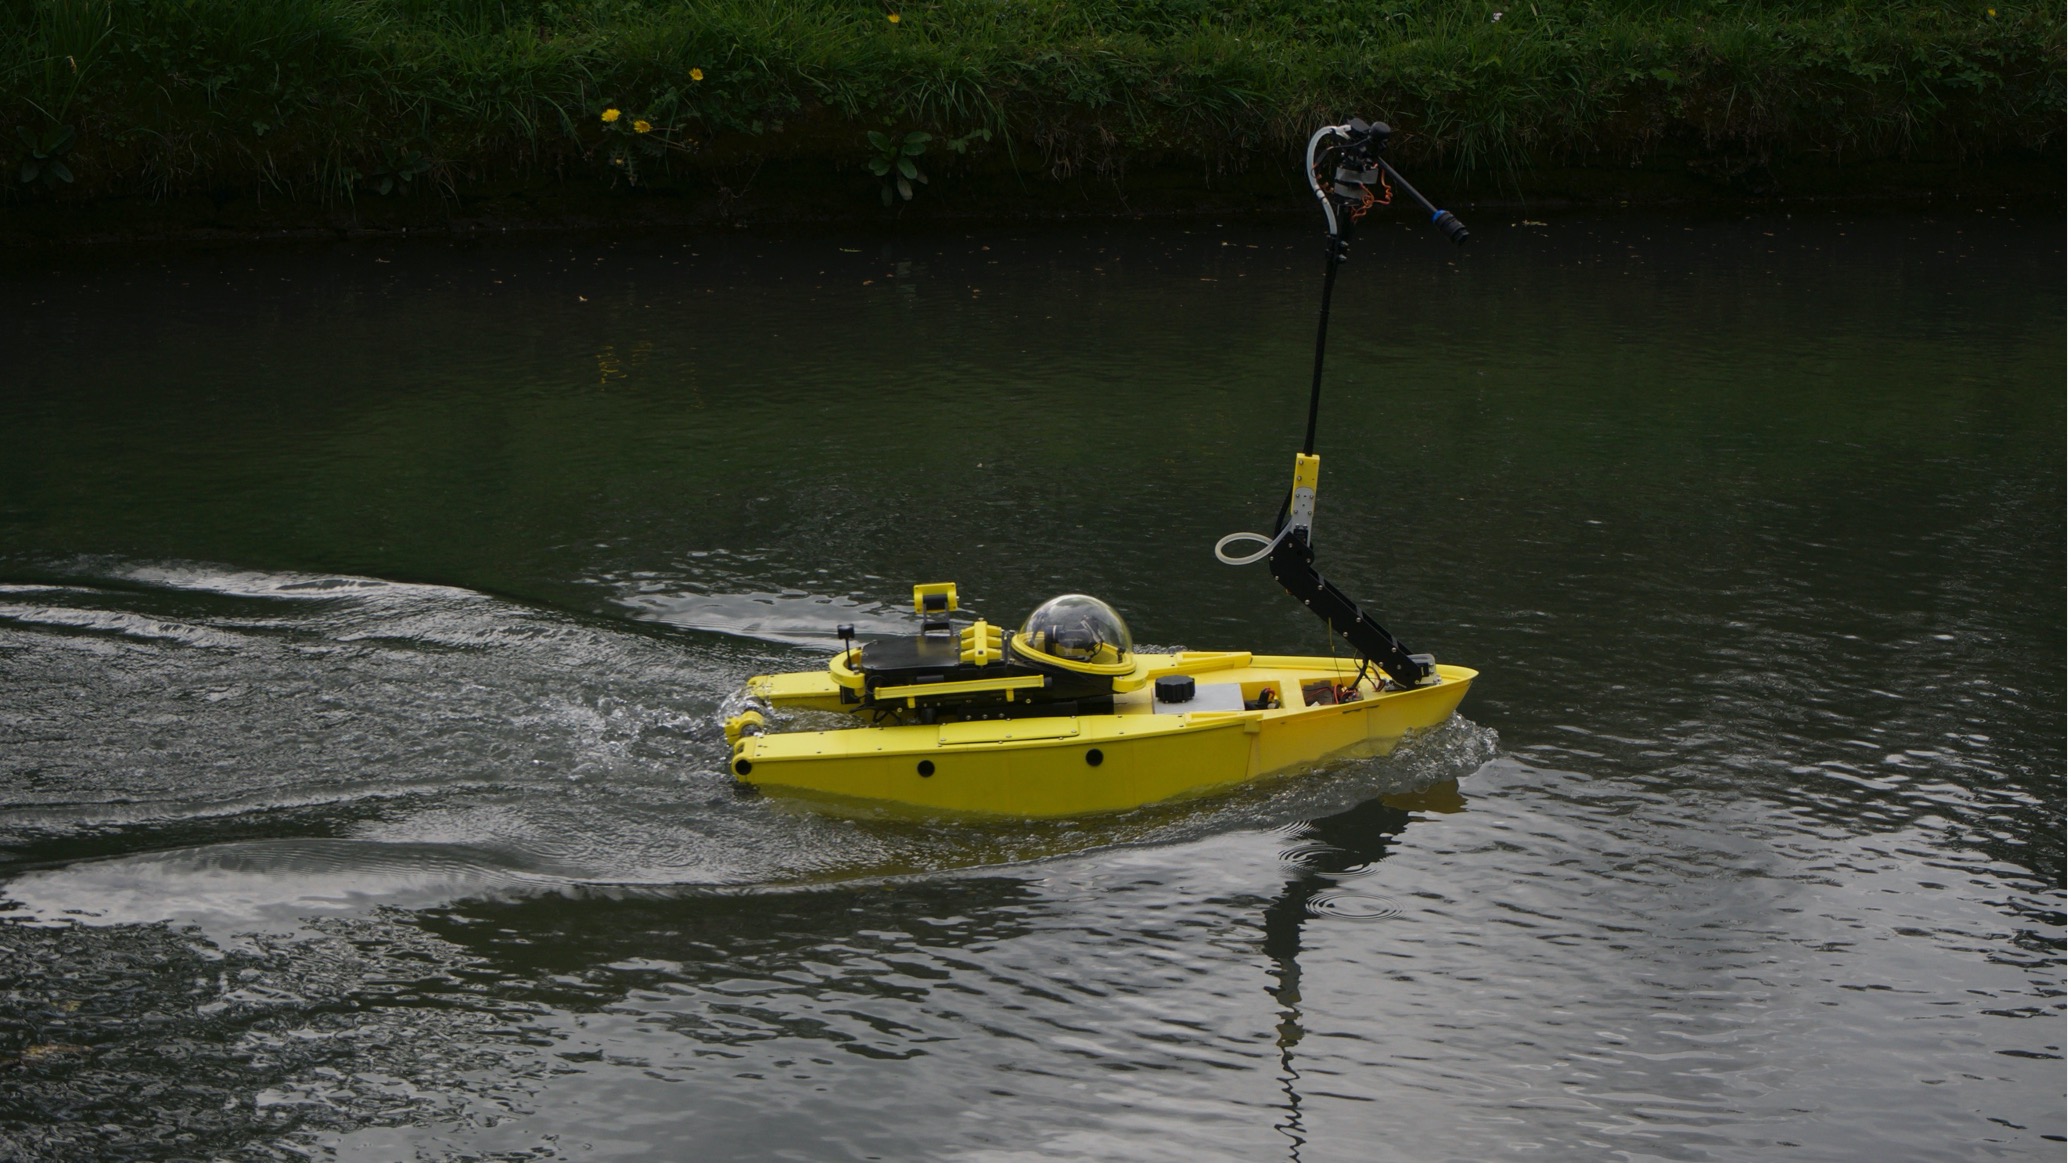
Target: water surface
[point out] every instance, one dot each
(368, 613)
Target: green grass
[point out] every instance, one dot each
(330, 100)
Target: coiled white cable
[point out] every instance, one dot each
(1255, 557)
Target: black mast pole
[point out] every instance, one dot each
(1330, 279)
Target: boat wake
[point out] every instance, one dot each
(243, 750)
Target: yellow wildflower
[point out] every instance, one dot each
(697, 74)
(642, 125)
(892, 16)
(610, 116)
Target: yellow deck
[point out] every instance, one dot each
(1053, 766)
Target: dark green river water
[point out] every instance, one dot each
(368, 613)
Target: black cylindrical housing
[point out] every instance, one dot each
(1175, 690)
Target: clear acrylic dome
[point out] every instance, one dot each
(1078, 628)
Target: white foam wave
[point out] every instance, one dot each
(125, 624)
(268, 886)
(258, 585)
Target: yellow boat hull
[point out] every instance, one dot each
(1057, 766)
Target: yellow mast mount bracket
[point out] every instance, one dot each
(934, 599)
(1301, 506)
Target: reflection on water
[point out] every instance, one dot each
(366, 620)
(1345, 842)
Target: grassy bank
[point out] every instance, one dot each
(432, 103)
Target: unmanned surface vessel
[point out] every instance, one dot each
(1063, 716)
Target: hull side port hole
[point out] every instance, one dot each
(925, 768)
(742, 766)
(1094, 757)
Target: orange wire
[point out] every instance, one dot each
(1368, 202)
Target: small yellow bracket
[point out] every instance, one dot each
(1308, 470)
(979, 685)
(934, 599)
(1188, 663)
(1252, 720)
(980, 643)
(1301, 501)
